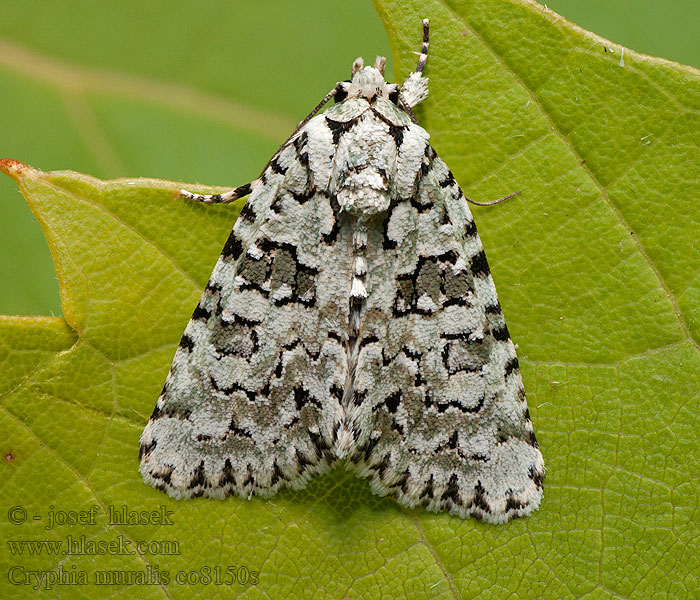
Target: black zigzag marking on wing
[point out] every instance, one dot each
(338, 128)
(262, 273)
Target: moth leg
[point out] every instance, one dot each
(423, 58)
(338, 88)
(244, 190)
(492, 202)
(415, 88)
(225, 198)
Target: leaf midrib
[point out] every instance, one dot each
(75, 79)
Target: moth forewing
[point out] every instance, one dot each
(351, 316)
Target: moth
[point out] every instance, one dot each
(351, 316)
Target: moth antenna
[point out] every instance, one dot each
(318, 107)
(244, 190)
(423, 58)
(307, 118)
(492, 202)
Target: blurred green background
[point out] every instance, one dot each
(200, 92)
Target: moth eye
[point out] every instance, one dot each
(394, 96)
(341, 94)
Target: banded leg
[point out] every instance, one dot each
(225, 198)
(423, 58)
(244, 190)
(415, 88)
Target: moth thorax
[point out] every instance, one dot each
(362, 200)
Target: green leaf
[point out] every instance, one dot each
(596, 264)
(199, 91)
(648, 26)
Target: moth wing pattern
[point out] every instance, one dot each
(253, 396)
(351, 316)
(438, 396)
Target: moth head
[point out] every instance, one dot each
(367, 82)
